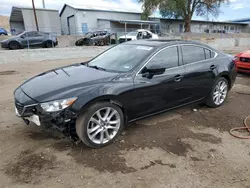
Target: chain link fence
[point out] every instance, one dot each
(68, 36)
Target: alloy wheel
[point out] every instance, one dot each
(220, 92)
(103, 125)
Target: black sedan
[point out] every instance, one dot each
(96, 99)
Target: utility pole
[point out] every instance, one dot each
(34, 10)
(44, 4)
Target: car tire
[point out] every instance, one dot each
(79, 42)
(94, 127)
(48, 44)
(13, 45)
(218, 93)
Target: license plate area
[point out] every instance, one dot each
(35, 119)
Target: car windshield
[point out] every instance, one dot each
(121, 58)
(133, 33)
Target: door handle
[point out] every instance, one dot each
(212, 67)
(178, 78)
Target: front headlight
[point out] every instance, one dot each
(57, 105)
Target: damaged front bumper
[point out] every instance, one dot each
(61, 120)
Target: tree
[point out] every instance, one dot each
(183, 9)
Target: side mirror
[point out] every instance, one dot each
(153, 70)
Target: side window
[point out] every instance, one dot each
(33, 34)
(139, 35)
(167, 58)
(212, 54)
(192, 54)
(207, 53)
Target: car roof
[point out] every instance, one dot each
(163, 43)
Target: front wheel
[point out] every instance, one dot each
(13, 45)
(218, 94)
(100, 124)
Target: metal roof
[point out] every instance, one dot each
(102, 9)
(17, 16)
(241, 20)
(202, 21)
(131, 21)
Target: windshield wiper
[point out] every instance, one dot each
(96, 67)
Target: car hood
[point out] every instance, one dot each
(9, 39)
(64, 82)
(5, 40)
(244, 54)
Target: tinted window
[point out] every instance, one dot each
(167, 58)
(207, 53)
(212, 54)
(121, 58)
(34, 34)
(192, 54)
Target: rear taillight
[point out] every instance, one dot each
(236, 59)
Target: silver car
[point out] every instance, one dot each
(29, 39)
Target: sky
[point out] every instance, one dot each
(236, 9)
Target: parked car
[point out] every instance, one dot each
(98, 38)
(3, 31)
(133, 80)
(242, 61)
(137, 35)
(30, 39)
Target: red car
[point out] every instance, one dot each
(242, 61)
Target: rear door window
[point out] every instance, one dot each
(167, 58)
(192, 54)
(207, 53)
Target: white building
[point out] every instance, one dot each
(22, 19)
(78, 19)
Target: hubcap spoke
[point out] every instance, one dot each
(112, 127)
(99, 115)
(94, 135)
(101, 136)
(111, 115)
(106, 113)
(94, 121)
(94, 129)
(107, 135)
(114, 122)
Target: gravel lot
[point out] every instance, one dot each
(181, 148)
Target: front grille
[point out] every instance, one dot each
(124, 40)
(247, 69)
(245, 60)
(25, 110)
(19, 107)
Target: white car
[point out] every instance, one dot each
(137, 35)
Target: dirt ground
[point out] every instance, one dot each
(181, 148)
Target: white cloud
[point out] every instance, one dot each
(5, 7)
(236, 6)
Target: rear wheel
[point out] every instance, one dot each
(14, 45)
(48, 44)
(218, 94)
(100, 124)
